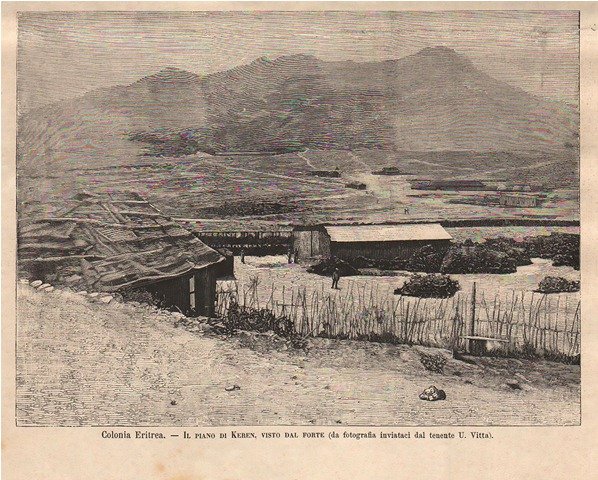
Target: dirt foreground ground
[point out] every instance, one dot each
(82, 362)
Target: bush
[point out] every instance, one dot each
(477, 258)
(558, 285)
(327, 266)
(561, 248)
(515, 250)
(261, 320)
(433, 363)
(429, 286)
(426, 259)
(257, 320)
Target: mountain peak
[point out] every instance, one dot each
(442, 52)
(438, 50)
(171, 75)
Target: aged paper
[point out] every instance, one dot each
(298, 240)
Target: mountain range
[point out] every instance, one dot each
(435, 100)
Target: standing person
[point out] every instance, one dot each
(336, 275)
(242, 255)
(296, 256)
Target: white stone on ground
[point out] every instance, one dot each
(36, 283)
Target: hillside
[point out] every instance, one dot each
(435, 100)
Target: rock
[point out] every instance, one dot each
(49, 289)
(43, 286)
(82, 292)
(432, 394)
(73, 278)
(106, 299)
(173, 402)
(177, 315)
(24, 281)
(117, 297)
(513, 384)
(232, 388)
(94, 294)
(36, 283)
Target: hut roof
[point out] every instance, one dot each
(388, 233)
(111, 241)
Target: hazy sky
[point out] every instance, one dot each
(62, 55)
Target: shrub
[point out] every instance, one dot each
(557, 285)
(327, 266)
(561, 248)
(426, 259)
(433, 362)
(429, 286)
(261, 320)
(515, 250)
(257, 320)
(477, 258)
(141, 296)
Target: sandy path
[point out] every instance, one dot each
(82, 363)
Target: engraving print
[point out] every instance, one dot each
(273, 218)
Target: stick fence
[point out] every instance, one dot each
(530, 323)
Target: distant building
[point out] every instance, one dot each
(120, 243)
(509, 200)
(390, 171)
(326, 173)
(384, 242)
(449, 185)
(356, 185)
(523, 187)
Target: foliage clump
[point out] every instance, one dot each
(433, 362)
(429, 286)
(558, 285)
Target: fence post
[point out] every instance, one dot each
(471, 332)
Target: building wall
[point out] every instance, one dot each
(205, 290)
(175, 294)
(225, 268)
(311, 243)
(383, 250)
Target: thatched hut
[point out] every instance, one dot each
(119, 242)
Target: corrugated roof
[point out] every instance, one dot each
(111, 241)
(388, 233)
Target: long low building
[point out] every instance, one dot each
(383, 242)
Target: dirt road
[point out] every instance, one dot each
(85, 363)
